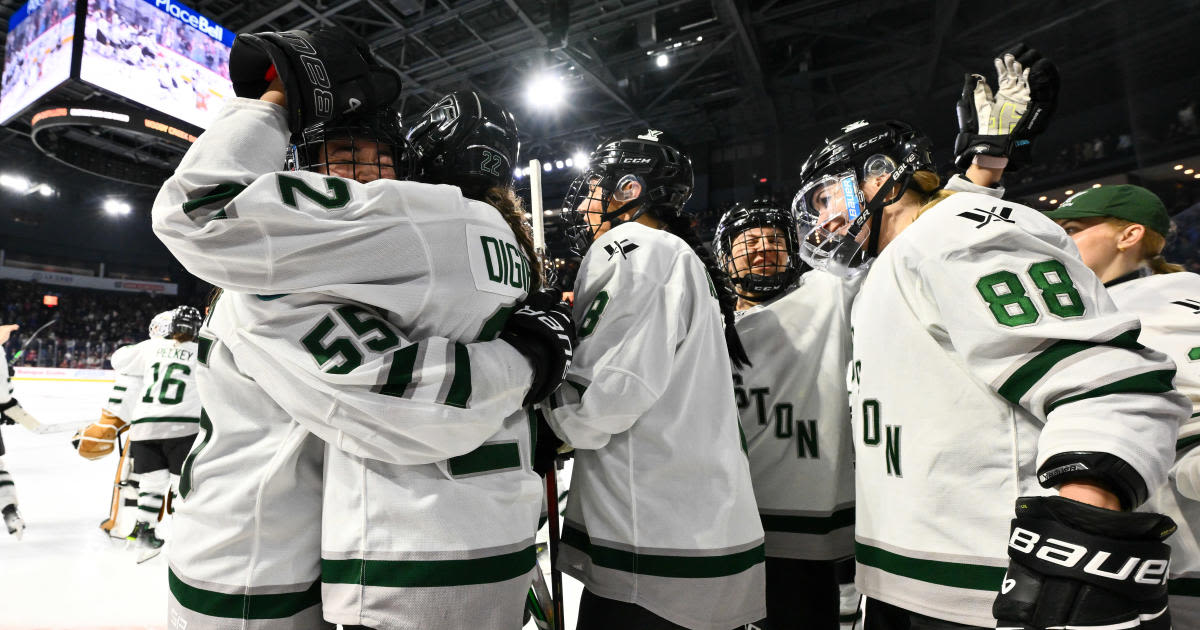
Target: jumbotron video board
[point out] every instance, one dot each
(37, 55)
(159, 53)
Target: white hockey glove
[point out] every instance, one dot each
(1073, 565)
(1002, 125)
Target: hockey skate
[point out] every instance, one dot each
(147, 542)
(13, 520)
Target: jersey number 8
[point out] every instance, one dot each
(1009, 301)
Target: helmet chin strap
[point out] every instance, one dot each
(897, 181)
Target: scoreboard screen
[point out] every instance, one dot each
(37, 57)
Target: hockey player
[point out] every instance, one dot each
(1121, 232)
(381, 318)
(165, 417)
(968, 392)
(661, 525)
(8, 490)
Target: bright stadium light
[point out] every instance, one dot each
(1189, 171)
(116, 208)
(581, 161)
(1042, 198)
(558, 164)
(547, 167)
(662, 61)
(1097, 185)
(45, 190)
(517, 172)
(546, 91)
(14, 182)
(569, 162)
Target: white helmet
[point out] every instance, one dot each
(160, 326)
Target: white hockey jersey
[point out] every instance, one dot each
(160, 399)
(796, 417)
(366, 315)
(1168, 306)
(6, 388)
(661, 511)
(983, 346)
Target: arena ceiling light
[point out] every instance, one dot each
(546, 91)
(581, 160)
(14, 183)
(117, 208)
(517, 173)
(1179, 167)
(662, 60)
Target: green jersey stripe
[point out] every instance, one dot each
(429, 573)
(119, 388)
(1024, 378)
(215, 195)
(400, 374)
(956, 574)
(166, 419)
(115, 401)
(808, 524)
(1189, 587)
(1187, 442)
(1155, 382)
(203, 348)
(460, 387)
(662, 565)
(231, 606)
(486, 458)
(5, 482)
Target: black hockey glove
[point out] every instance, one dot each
(1078, 566)
(1004, 125)
(326, 74)
(542, 330)
(4, 419)
(545, 448)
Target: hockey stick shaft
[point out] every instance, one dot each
(32, 337)
(552, 518)
(535, 198)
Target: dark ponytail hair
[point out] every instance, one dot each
(681, 226)
(509, 205)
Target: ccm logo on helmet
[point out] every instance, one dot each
(1069, 555)
(864, 143)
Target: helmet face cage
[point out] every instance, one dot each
(466, 140)
(835, 219)
(160, 326)
(756, 247)
(185, 320)
(641, 170)
(371, 146)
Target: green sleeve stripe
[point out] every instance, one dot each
(119, 388)
(1188, 587)
(214, 196)
(115, 401)
(460, 387)
(1195, 415)
(429, 573)
(487, 458)
(166, 419)
(400, 374)
(6, 482)
(185, 473)
(268, 298)
(662, 565)
(240, 606)
(959, 575)
(808, 524)
(203, 348)
(1024, 378)
(1155, 382)
(1187, 442)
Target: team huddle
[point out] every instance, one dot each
(886, 371)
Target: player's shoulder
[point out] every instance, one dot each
(128, 358)
(968, 223)
(638, 247)
(1181, 288)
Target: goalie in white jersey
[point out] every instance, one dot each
(1121, 232)
(968, 393)
(661, 525)
(369, 333)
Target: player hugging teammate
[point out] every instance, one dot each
(370, 363)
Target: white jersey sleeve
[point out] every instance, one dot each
(352, 378)
(1008, 292)
(128, 364)
(232, 219)
(623, 301)
(6, 387)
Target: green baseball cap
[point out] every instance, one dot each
(1132, 203)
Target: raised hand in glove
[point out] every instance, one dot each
(1074, 565)
(1002, 126)
(326, 74)
(542, 330)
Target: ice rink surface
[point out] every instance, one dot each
(66, 573)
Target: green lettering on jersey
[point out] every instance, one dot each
(591, 316)
(506, 264)
(492, 257)
(870, 408)
(760, 402)
(1194, 354)
(338, 194)
(806, 439)
(783, 420)
(739, 392)
(892, 450)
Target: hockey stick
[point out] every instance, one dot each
(61, 427)
(32, 337)
(552, 518)
(535, 198)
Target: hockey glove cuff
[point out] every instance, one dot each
(542, 330)
(1079, 566)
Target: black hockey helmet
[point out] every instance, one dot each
(370, 140)
(185, 320)
(835, 221)
(644, 169)
(755, 245)
(466, 140)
